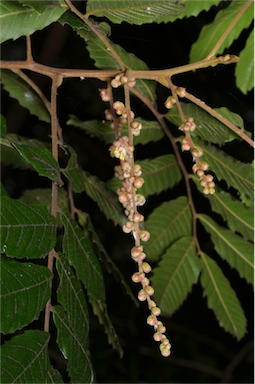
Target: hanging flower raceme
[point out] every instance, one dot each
(130, 174)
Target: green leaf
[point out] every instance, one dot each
(80, 255)
(78, 362)
(25, 290)
(103, 57)
(174, 277)
(26, 96)
(24, 359)
(135, 11)
(211, 33)
(17, 20)
(232, 248)
(208, 128)
(73, 173)
(193, 8)
(159, 174)
(27, 231)
(100, 310)
(244, 71)
(105, 199)
(236, 174)
(71, 296)
(238, 217)
(151, 130)
(221, 298)
(166, 224)
(42, 161)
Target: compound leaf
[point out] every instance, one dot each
(211, 33)
(78, 362)
(221, 298)
(26, 96)
(79, 253)
(27, 231)
(233, 248)
(177, 272)
(24, 359)
(166, 224)
(25, 289)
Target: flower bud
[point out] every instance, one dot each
(137, 277)
(146, 267)
(142, 296)
(138, 182)
(157, 336)
(149, 290)
(156, 311)
(151, 320)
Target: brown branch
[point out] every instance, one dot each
(29, 49)
(222, 119)
(54, 192)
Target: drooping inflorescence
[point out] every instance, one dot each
(130, 174)
(188, 126)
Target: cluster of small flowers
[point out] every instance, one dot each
(122, 79)
(145, 294)
(130, 174)
(199, 167)
(171, 100)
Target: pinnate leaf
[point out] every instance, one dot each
(135, 11)
(238, 217)
(151, 130)
(233, 248)
(25, 289)
(26, 96)
(244, 71)
(211, 33)
(24, 359)
(221, 298)
(17, 20)
(177, 272)
(27, 231)
(166, 224)
(78, 363)
(80, 254)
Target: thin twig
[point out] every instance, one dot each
(29, 50)
(219, 117)
(54, 192)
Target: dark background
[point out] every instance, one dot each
(202, 351)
